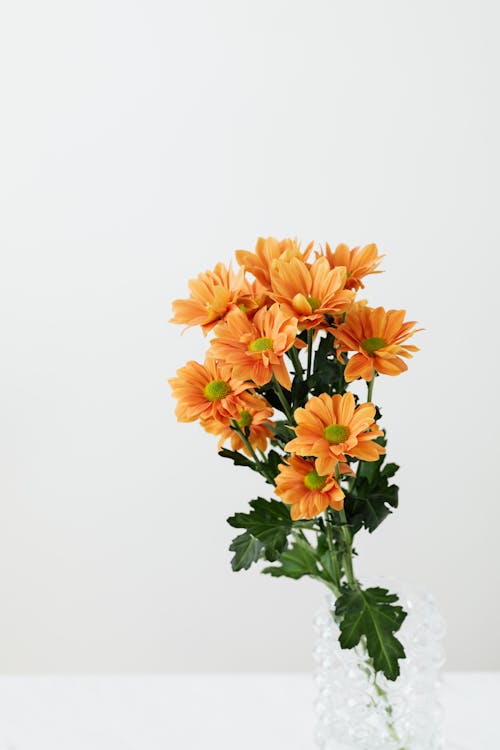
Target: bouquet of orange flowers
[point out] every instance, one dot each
(289, 337)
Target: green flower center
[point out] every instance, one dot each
(374, 344)
(261, 345)
(315, 303)
(336, 433)
(245, 419)
(216, 390)
(313, 481)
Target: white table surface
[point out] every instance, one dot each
(200, 712)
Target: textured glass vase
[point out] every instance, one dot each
(357, 710)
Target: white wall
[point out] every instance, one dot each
(143, 141)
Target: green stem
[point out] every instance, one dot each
(283, 401)
(347, 556)
(369, 670)
(358, 470)
(300, 534)
(328, 531)
(353, 584)
(347, 539)
(310, 337)
(260, 466)
(331, 548)
(297, 366)
(370, 388)
(333, 586)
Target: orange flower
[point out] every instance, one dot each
(308, 492)
(254, 415)
(206, 391)
(331, 427)
(377, 336)
(213, 295)
(255, 348)
(252, 297)
(359, 262)
(310, 293)
(266, 252)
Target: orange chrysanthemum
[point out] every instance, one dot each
(359, 262)
(378, 337)
(266, 252)
(310, 293)
(253, 296)
(207, 391)
(255, 348)
(332, 427)
(308, 492)
(213, 295)
(253, 416)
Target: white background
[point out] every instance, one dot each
(141, 142)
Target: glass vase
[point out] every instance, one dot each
(360, 710)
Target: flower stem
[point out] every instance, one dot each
(262, 469)
(347, 562)
(347, 556)
(331, 549)
(282, 398)
(297, 366)
(370, 388)
(371, 673)
(310, 337)
(347, 539)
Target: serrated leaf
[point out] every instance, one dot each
(282, 433)
(389, 470)
(299, 392)
(373, 614)
(273, 460)
(247, 550)
(269, 521)
(372, 498)
(238, 458)
(328, 374)
(297, 561)
(369, 509)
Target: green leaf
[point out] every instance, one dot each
(328, 374)
(282, 433)
(247, 550)
(269, 394)
(299, 392)
(372, 614)
(389, 470)
(369, 509)
(297, 561)
(372, 498)
(269, 521)
(238, 458)
(329, 562)
(273, 460)
(330, 567)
